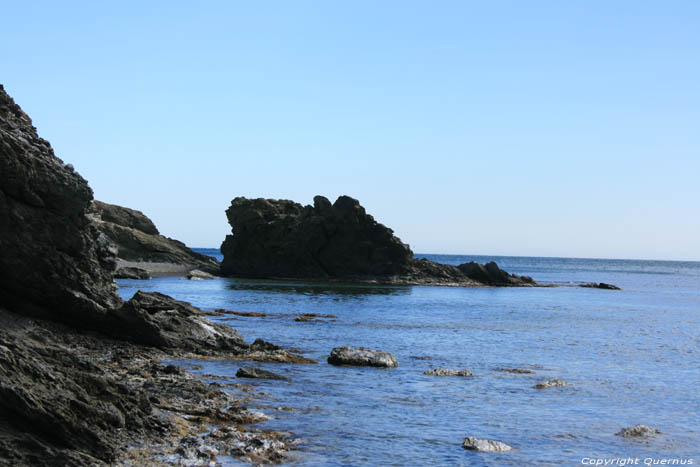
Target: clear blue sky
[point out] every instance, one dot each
(561, 128)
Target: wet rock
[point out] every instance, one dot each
(197, 275)
(447, 372)
(522, 371)
(138, 241)
(420, 357)
(484, 445)
(361, 356)
(131, 273)
(552, 383)
(250, 314)
(600, 285)
(638, 431)
(491, 274)
(312, 316)
(255, 372)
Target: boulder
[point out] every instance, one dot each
(256, 372)
(140, 244)
(552, 383)
(484, 445)
(361, 356)
(447, 372)
(55, 263)
(638, 431)
(131, 273)
(197, 275)
(491, 274)
(522, 371)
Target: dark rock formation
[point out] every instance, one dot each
(447, 372)
(601, 285)
(131, 273)
(638, 431)
(521, 371)
(484, 445)
(257, 373)
(55, 263)
(138, 241)
(491, 274)
(340, 241)
(361, 356)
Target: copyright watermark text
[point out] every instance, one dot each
(622, 461)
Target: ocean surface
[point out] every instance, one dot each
(629, 357)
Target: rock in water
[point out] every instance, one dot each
(197, 275)
(138, 240)
(638, 431)
(255, 372)
(552, 383)
(447, 372)
(283, 239)
(600, 285)
(361, 356)
(484, 445)
(491, 274)
(55, 263)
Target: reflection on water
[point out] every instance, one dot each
(317, 288)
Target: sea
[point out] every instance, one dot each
(629, 357)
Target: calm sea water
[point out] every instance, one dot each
(629, 357)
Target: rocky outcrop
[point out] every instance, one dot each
(600, 285)
(491, 274)
(447, 372)
(138, 241)
(340, 241)
(131, 273)
(361, 356)
(55, 263)
(197, 275)
(484, 445)
(638, 431)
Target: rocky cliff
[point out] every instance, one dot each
(140, 244)
(53, 258)
(340, 241)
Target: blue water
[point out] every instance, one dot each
(629, 357)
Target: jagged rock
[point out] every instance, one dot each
(600, 285)
(638, 431)
(361, 356)
(552, 383)
(484, 445)
(255, 372)
(131, 273)
(138, 241)
(447, 372)
(491, 274)
(154, 319)
(283, 239)
(197, 275)
(54, 262)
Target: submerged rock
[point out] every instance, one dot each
(600, 285)
(197, 275)
(484, 445)
(340, 241)
(256, 372)
(312, 317)
(131, 273)
(360, 356)
(552, 383)
(638, 431)
(522, 371)
(139, 242)
(447, 372)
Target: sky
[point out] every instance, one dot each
(497, 128)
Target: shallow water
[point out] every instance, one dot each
(630, 356)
